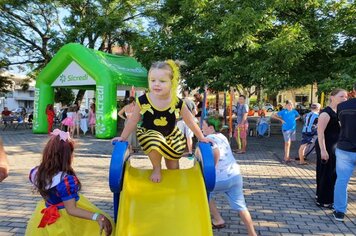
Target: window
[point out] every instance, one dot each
(279, 98)
(301, 99)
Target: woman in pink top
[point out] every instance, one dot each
(69, 121)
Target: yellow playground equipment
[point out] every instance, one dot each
(176, 206)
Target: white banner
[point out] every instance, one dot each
(73, 75)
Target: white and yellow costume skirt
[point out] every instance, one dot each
(65, 224)
(170, 147)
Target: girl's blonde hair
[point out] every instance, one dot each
(173, 68)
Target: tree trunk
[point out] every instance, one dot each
(79, 97)
(217, 101)
(258, 91)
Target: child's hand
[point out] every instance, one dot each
(206, 140)
(105, 225)
(117, 139)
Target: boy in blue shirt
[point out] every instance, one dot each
(288, 117)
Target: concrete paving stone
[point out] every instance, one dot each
(289, 234)
(17, 225)
(6, 234)
(221, 234)
(20, 231)
(279, 197)
(5, 229)
(268, 233)
(280, 230)
(5, 223)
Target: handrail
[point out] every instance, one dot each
(116, 172)
(207, 165)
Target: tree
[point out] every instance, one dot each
(4, 81)
(101, 24)
(28, 32)
(32, 31)
(64, 96)
(4, 84)
(270, 44)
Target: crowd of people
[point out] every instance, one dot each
(168, 124)
(72, 119)
(19, 116)
(333, 132)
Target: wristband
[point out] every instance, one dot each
(95, 216)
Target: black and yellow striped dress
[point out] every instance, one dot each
(159, 131)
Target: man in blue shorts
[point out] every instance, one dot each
(345, 154)
(288, 117)
(309, 132)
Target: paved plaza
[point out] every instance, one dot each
(280, 197)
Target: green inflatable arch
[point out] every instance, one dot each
(77, 67)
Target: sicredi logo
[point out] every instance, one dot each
(73, 75)
(64, 78)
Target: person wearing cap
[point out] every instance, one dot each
(288, 117)
(309, 131)
(345, 154)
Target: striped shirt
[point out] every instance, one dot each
(311, 123)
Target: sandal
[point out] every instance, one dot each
(286, 161)
(220, 226)
(303, 164)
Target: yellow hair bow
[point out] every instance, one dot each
(175, 80)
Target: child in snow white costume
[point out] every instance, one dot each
(63, 211)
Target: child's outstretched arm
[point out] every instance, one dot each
(189, 120)
(130, 125)
(73, 210)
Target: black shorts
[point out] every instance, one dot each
(308, 138)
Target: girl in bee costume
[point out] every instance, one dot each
(159, 135)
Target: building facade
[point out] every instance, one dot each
(17, 97)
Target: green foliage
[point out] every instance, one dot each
(274, 45)
(271, 44)
(64, 96)
(344, 82)
(4, 81)
(32, 31)
(28, 32)
(4, 84)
